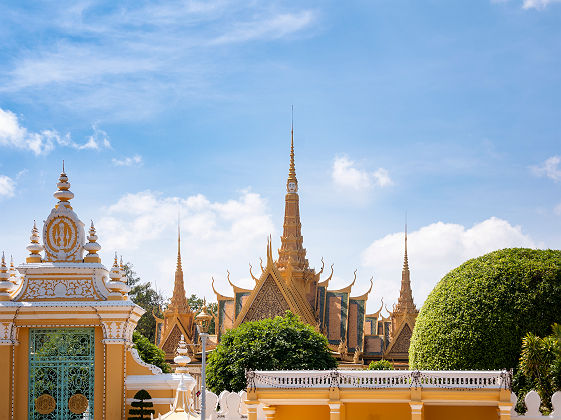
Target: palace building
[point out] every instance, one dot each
(289, 283)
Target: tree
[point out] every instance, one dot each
(147, 298)
(268, 344)
(540, 363)
(380, 365)
(142, 409)
(478, 314)
(196, 304)
(149, 352)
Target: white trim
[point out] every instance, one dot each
(165, 401)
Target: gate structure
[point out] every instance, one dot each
(61, 373)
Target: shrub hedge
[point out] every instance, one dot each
(477, 315)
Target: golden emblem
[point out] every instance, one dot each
(78, 403)
(45, 404)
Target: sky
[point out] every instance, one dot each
(448, 112)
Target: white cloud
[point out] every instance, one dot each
(538, 4)
(433, 251)
(272, 28)
(345, 175)
(13, 134)
(135, 160)
(111, 61)
(550, 168)
(531, 4)
(7, 186)
(557, 209)
(214, 236)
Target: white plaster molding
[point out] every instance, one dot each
(136, 357)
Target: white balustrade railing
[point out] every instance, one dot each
(379, 379)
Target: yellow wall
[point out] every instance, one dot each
(5, 381)
(382, 411)
(435, 412)
(301, 412)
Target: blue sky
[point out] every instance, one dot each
(447, 110)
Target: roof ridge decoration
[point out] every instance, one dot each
(296, 303)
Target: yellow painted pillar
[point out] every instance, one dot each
(114, 380)
(416, 410)
(6, 381)
(252, 409)
(335, 411)
(269, 412)
(504, 411)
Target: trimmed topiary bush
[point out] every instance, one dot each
(477, 315)
(282, 343)
(380, 365)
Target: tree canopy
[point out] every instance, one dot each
(144, 295)
(478, 314)
(268, 344)
(149, 352)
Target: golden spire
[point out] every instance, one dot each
(178, 301)
(92, 246)
(292, 252)
(34, 246)
(63, 195)
(405, 301)
(178, 248)
(6, 285)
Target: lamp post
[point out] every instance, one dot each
(203, 321)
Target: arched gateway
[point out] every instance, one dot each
(66, 328)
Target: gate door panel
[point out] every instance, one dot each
(61, 373)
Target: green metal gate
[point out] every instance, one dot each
(61, 373)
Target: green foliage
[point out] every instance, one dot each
(540, 363)
(269, 344)
(149, 352)
(477, 315)
(142, 408)
(380, 365)
(196, 304)
(147, 298)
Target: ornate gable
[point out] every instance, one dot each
(267, 303)
(172, 340)
(402, 342)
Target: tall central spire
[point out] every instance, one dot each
(405, 301)
(292, 252)
(178, 299)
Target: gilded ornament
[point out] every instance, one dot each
(78, 403)
(45, 404)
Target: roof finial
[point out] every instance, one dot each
(405, 260)
(292, 182)
(62, 165)
(178, 244)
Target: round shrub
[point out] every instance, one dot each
(477, 315)
(380, 365)
(282, 343)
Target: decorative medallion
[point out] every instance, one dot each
(45, 404)
(78, 403)
(63, 237)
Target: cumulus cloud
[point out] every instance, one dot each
(346, 175)
(433, 251)
(215, 236)
(135, 160)
(13, 134)
(7, 186)
(550, 168)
